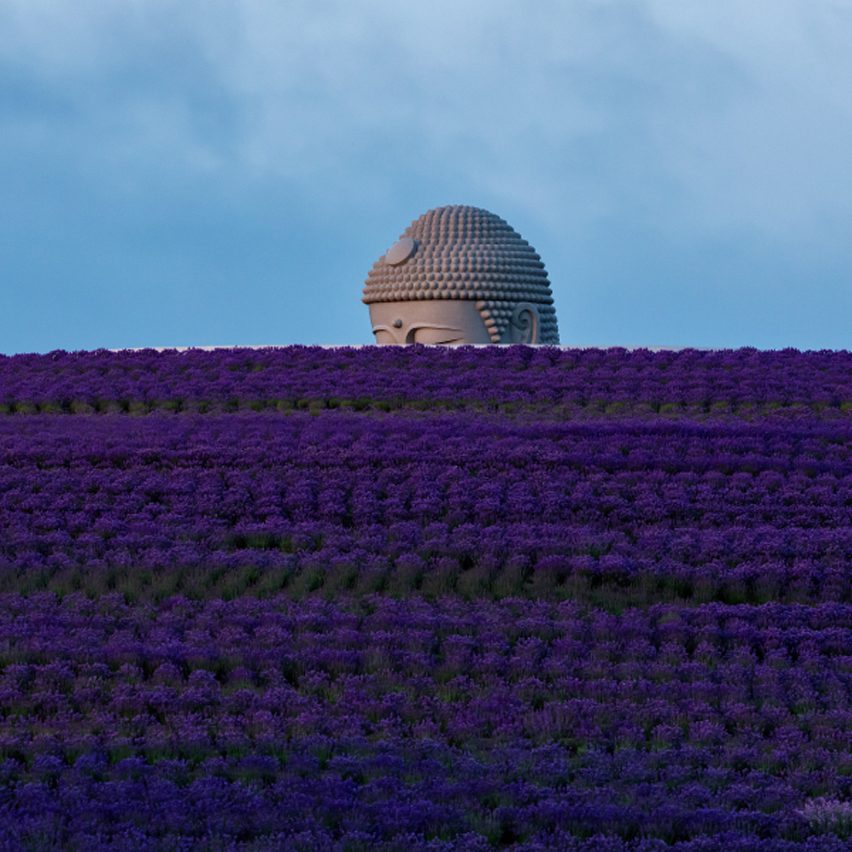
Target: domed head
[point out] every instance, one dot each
(460, 275)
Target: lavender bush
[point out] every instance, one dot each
(426, 598)
(829, 815)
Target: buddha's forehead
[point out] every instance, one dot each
(423, 310)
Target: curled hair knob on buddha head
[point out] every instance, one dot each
(460, 274)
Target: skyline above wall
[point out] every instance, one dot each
(176, 173)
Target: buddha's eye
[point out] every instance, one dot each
(383, 337)
(435, 336)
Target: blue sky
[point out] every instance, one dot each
(195, 172)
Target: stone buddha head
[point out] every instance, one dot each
(459, 275)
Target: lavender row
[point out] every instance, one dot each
(564, 381)
(611, 513)
(508, 721)
(355, 796)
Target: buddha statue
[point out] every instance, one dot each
(460, 275)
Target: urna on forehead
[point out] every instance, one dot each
(466, 253)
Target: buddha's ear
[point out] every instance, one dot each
(525, 324)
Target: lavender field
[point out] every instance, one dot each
(426, 598)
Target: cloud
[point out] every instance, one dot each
(717, 116)
(770, 157)
(713, 98)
